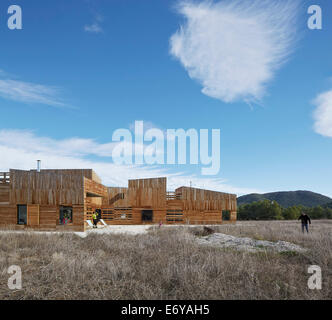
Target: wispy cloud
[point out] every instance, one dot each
(323, 114)
(29, 93)
(20, 149)
(234, 47)
(95, 27)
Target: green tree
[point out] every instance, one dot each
(260, 210)
(292, 213)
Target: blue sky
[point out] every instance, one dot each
(78, 70)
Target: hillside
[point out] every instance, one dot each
(328, 205)
(288, 198)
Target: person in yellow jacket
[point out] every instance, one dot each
(95, 219)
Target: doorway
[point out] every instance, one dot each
(147, 215)
(226, 215)
(22, 214)
(66, 215)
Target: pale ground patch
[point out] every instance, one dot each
(111, 229)
(247, 244)
(128, 229)
(116, 229)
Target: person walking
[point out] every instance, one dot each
(95, 219)
(304, 221)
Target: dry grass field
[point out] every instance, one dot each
(167, 263)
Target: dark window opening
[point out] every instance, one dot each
(66, 215)
(174, 215)
(174, 219)
(98, 211)
(22, 214)
(226, 215)
(147, 215)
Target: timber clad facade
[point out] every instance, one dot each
(65, 199)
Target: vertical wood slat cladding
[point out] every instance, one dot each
(78, 216)
(48, 187)
(112, 193)
(147, 193)
(33, 215)
(205, 200)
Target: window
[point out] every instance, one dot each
(147, 215)
(66, 215)
(174, 215)
(22, 214)
(226, 215)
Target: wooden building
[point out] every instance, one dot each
(65, 199)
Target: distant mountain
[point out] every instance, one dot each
(288, 198)
(328, 205)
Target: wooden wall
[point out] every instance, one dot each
(113, 197)
(185, 205)
(94, 187)
(48, 187)
(147, 193)
(200, 199)
(4, 194)
(8, 215)
(44, 192)
(33, 215)
(78, 218)
(48, 217)
(94, 193)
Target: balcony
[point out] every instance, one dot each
(4, 178)
(173, 196)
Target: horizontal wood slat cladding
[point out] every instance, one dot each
(48, 217)
(94, 187)
(4, 194)
(8, 215)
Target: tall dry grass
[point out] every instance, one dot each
(165, 264)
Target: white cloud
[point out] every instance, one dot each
(323, 114)
(30, 93)
(234, 47)
(95, 27)
(20, 149)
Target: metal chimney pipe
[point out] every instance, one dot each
(38, 165)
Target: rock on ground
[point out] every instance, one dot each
(247, 244)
